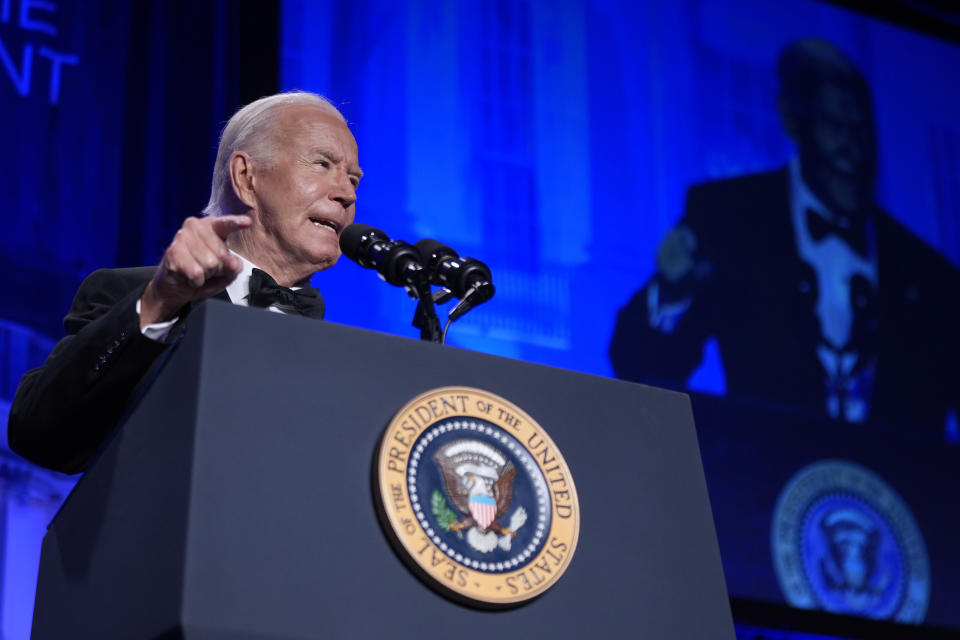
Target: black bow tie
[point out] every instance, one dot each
(264, 291)
(851, 231)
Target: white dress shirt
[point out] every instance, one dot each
(835, 264)
(832, 259)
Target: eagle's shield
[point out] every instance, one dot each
(483, 509)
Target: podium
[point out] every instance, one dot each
(235, 500)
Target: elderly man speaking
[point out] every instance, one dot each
(284, 187)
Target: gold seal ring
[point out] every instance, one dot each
(476, 497)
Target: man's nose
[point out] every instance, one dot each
(343, 191)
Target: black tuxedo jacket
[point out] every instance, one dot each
(758, 302)
(64, 409)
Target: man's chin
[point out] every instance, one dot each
(326, 251)
(325, 261)
(851, 202)
(845, 194)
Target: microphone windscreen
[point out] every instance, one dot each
(355, 234)
(431, 251)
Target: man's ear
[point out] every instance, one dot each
(790, 124)
(242, 179)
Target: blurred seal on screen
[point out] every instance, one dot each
(844, 541)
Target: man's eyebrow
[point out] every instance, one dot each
(333, 157)
(326, 153)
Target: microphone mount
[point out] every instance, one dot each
(418, 267)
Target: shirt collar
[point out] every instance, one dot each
(803, 198)
(239, 289)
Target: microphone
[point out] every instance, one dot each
(467, 278)
(396, 261)
(448, 269)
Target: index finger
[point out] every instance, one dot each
(223, 226)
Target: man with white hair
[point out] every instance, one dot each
(284, 187)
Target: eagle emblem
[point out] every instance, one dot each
(843, 540)
(478, 480)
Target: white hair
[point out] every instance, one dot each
(251, 130)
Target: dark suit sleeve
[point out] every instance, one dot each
(642, 353)
(64, 409)
(668, 355)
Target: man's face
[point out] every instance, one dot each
(838, 150)
(305, 192)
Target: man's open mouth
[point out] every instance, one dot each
(318, 222)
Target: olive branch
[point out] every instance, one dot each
(441, 510)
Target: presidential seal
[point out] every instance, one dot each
(844, 541)
(476, 497)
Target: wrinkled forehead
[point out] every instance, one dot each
(305, 127)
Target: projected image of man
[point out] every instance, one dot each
(819, 300)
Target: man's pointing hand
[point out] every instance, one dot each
(195, 265)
